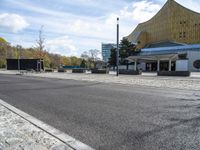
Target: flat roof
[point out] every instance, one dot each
(169, 50)
(164, 53)
(182, 47)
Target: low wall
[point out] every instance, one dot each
(174, 73)
(129, 72)
(49, 70)
(78, 70)
(62, 70)
(99, 71)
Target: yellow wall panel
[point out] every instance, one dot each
(173, 23)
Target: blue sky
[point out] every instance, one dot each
(74, 26)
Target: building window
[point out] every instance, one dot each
(184, 34)
(182, 22)
(180, 35)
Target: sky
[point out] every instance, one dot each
(71, 27)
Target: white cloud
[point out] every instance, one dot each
(61, 45)
(132, 14)
(146, 8)
(86, 31)
(89, 32)
(191, 4)
(137, 11)
(13, 22)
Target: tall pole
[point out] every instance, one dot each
(19, 62)
(19, 57)
(117, 59)
(6, 55)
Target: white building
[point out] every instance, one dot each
(172, 58)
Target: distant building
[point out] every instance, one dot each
(106, 47)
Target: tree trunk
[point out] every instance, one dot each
(127, 66)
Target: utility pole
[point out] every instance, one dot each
(6, 55)
(117, 59)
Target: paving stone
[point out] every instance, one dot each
(2, 146)
(60, 147)
(13, 141)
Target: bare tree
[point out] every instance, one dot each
(93, 54)
(40, 46)
(91, 57)
(40, 42)
(85, 55)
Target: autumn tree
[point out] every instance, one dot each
(50, 60)
(66, 61)
(75, 61)
(3, 52)
(2, 57)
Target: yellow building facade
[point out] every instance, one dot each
(173, 23)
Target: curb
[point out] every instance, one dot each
(68, 140)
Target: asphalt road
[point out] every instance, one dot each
(110, 116)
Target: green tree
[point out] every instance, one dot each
(112, 60)
(126, 49)
(47, 61)
(83, 63)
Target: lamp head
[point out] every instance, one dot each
(117, 20)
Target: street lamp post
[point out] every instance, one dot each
(6, 55)
(117, 59)
(19, 57)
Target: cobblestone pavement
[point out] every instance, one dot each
(153, 81)
(18, 134)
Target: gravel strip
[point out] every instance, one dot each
(18, 134)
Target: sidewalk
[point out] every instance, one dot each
(20, 131)
(148, 79)
(17, 133)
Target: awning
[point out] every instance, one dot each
(153, 57)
